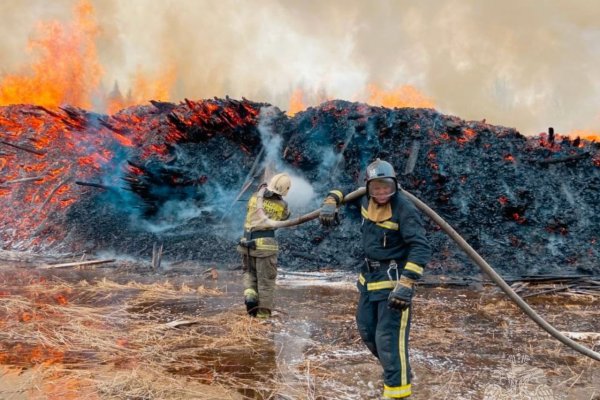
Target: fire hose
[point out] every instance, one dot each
(473, 255)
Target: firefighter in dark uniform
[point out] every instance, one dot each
(259, 247)
(396, 251)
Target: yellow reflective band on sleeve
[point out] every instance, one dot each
(414, 268)
(339, 194)
(261, 245)
(274, 210)
(402, 348)
(361, 279)
(385, 224)
(397, 392)
(380, 285)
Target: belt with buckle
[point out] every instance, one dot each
(378, 265)
(258, 234)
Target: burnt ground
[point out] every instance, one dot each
(100, 333)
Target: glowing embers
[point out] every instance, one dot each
(557, 226)
(26, 355)
(515, 211)
(455, 134)
(202, 120)
(45, 152)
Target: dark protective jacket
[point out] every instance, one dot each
(401, 238)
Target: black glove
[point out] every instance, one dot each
(329, 212)
(401, 297)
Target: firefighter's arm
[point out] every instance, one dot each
(328, 215)
(413, 233)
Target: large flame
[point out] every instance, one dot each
(403, 96)
(67, 70)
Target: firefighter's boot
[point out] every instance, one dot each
(263, 313)
(251, 302)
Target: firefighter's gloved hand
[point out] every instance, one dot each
(329, 212)
(401, 297)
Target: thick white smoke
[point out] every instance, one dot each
(528, 65)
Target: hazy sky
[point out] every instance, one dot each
(518, 63)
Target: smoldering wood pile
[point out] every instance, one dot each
(178, 175)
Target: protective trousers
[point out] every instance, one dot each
(259, 275)
(385, 332)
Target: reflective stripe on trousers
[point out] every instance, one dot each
(385, 332)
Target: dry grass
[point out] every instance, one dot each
(64, 325)
(110, 340)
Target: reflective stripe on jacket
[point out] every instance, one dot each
(276, 209)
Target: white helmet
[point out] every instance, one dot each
(280, 184)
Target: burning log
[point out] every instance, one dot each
(163, 106)
(24, 148)
(53, 191)
(29, 179)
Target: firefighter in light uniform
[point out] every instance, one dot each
(259, 247)
(396, 251)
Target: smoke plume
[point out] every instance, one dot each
(527, 65)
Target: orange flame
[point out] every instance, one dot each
(584, 134)
(403, 96)
(67, 70)
(143, 88)
(296, 102)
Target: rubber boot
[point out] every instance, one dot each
(251, 302)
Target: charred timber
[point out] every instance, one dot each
(24, 148)
(96, 185)
(567, 159)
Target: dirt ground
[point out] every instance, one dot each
(123, 332)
